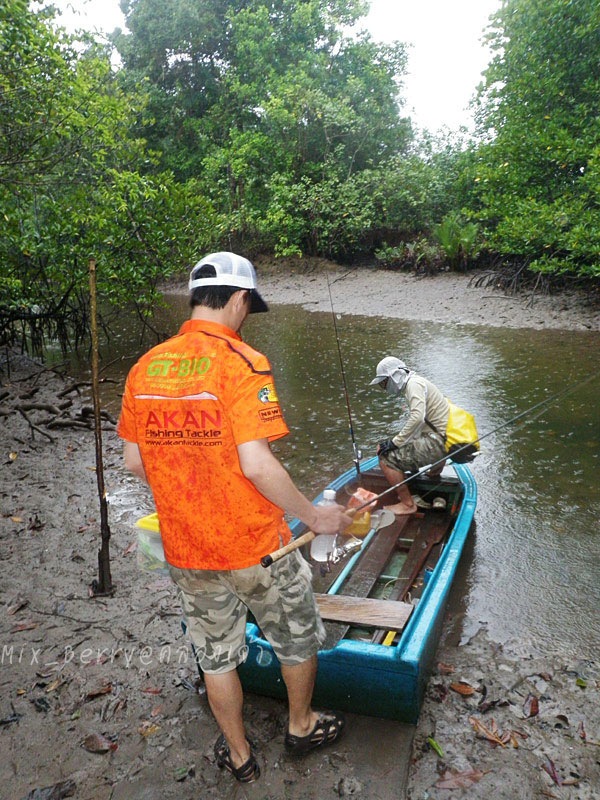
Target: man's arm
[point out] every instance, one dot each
(133, 460)
(273, 481)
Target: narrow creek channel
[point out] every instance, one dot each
(531, 577)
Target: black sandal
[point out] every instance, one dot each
(249, 770)
(327, 730)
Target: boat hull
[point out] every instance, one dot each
(366, 677)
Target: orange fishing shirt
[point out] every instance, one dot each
(188, 403)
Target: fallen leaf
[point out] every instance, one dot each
(485, 705)
(581, 682)
(24, 626)
(131, 548)
(152, 690)
(13, 456)
(16, 604)
(445, 669)
(17, 519)
(181, 773)
(515, 736)
(439, 692)
(435, 746)
(54, 685)
(550, 768)
(105, 689)
(97, 743)
(148, 729)
(35, 523)
(581, 731)
(486, 733)
(463, 688)
(122, 703)
(531, 706)
(459, 780)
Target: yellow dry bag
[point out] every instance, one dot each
(462, 443)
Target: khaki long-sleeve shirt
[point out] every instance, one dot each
(425, 401)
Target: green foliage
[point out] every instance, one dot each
(71, 185)
(458, 240)
(537, 176)
(330, 218)
(272, 126)
(11, 294)
(419, 255)
(284, 92)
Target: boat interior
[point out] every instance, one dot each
(370, 593)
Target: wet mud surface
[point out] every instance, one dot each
(100, 694)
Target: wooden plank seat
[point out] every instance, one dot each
(365, 575)
(364, 611)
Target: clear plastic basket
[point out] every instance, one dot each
(150, 553)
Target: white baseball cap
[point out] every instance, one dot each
(386, 368)
(230, 270)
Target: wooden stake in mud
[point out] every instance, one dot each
(103, 586)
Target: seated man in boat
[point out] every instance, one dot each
(421, 440)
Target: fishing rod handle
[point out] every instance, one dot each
(271, 558)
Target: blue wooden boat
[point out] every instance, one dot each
(379, 654)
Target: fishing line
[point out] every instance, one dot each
(548, 401)
(357, 453)
(306, 537)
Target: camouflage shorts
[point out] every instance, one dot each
(215, 604)
(410, 457)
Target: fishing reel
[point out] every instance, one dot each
(340, 551)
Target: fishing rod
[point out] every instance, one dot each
(355, 448)
(309, 535)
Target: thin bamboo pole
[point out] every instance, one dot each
(103, 586)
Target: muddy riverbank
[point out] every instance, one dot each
(100, 694)
(462, 298)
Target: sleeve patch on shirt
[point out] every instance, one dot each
(267, 394)
(267, 414)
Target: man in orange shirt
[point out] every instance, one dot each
(198, 414)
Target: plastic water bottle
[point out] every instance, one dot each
(328, 498)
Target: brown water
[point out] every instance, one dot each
(531, 573)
